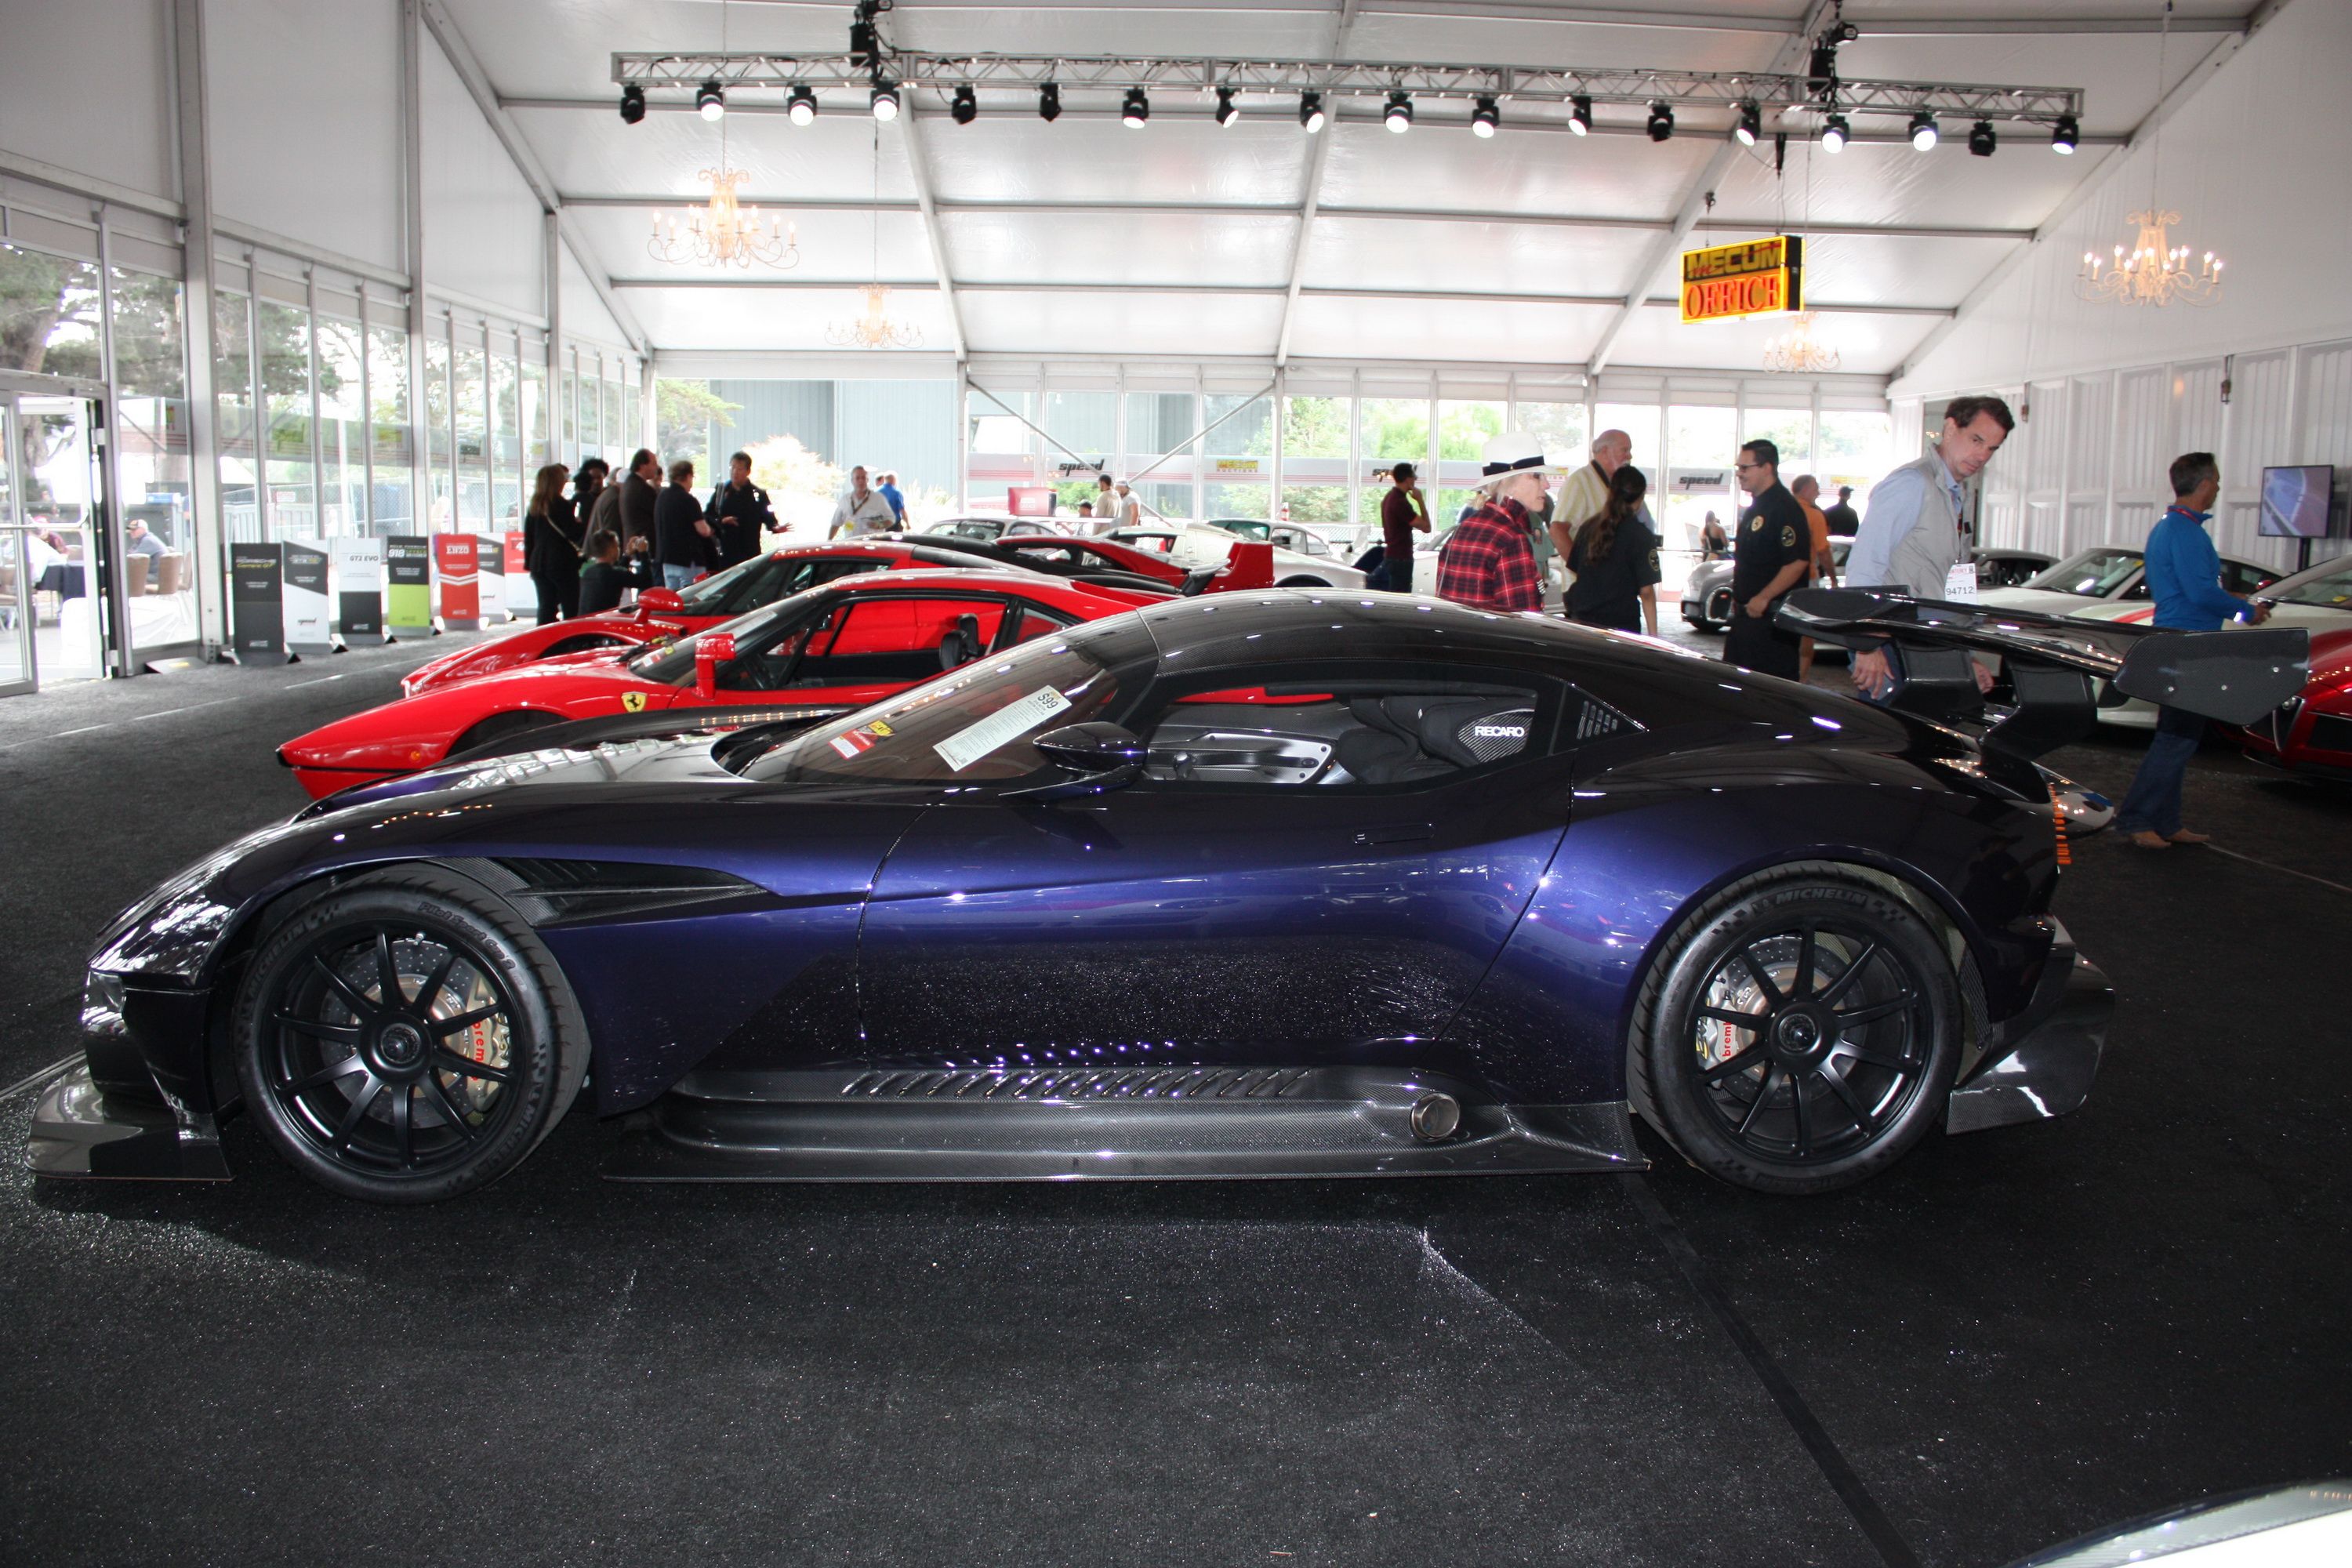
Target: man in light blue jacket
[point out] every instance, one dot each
(2184, 574)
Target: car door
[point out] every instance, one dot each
(856, 648)
(1320, 877)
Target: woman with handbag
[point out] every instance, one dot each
(552, 535)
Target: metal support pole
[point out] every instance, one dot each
(318, 447)
(412, 105)
(208, 539)
(366, 519)
(257, 383)
(106, 521)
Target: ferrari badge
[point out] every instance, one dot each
(633, 701)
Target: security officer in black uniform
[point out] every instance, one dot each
(1770, 556)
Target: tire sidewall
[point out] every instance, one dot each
(536, 1055)
(1673, 1101)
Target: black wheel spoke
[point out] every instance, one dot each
(404, 1139)
(1803, 985)
(387, 973)
(329, 1074)
(1854, 969)
(1763, 1094)
(1855, 1018)
(1832, 1076)
(351, 994)
(433, 982)
(1763, 979)
(1877, 1059)
(447, 1060)
(357, 1109)
(318, 1029)
(449, 1108)
(1737, 1020)
(1804, 1111)
(445, 1027)
(1745, 1061)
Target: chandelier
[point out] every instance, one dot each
(1798, 353)
(873, 328)
(723, 232)
(2155, 271)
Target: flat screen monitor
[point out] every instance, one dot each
(2296, 502)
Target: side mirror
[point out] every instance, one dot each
(1104, 756)
(712, 649)
(660, 601)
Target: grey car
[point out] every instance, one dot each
(1707, 596)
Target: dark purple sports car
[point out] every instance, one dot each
(1288, 883)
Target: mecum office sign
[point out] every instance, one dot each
(1753, 278)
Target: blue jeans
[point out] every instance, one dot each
(2154, 804)
(677, 576)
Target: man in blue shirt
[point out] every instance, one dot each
(2184, 574)
(889, 488)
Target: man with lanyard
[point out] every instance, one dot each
(2184, 574)
(860, 511)
(738, 513)
(1770, 554)
(1403, 513)
(1585, 494)
(1489, 560)
(1910, 538)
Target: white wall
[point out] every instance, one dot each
(305, 122)
(87, 85)
(2116, 392)
(482, 233)
(584, 315)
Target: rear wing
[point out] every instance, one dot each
(2052, 663)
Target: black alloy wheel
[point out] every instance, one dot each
(402, 1038)
(1802, 1035)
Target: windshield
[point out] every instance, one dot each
(975, 725)
(2094, 574)
(671, 659)
(2328, 587)
(707, 596)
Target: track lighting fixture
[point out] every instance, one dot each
(1662, 121)
(1835, 133)
(633, 104)
(1049, 102)
(1227, 110)
(1310, 111)
(2064, 135)
(1981, 139)
(710, 100)
(800, 107)
(1580, 115)
(1398, 116)
(965, 109)
(884, 100)
(1135, 109)
(1487, 119)
(1751, 124)
(1923, 133)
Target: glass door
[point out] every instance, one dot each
(16, 591)
(59, 504)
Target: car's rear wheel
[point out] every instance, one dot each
(1302, 583)
(1797, 1034)
(404, 1037)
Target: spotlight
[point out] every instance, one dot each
(2063, 134)
(1398, 116)
(1750, 126)
(1923, 131)
(1982, 141)
(965, 107)
(800, 107)
(1049, 102)
(1662, 121)
(1835, 133)
(633, 104)
(1485, 120)
(1135, 109)
(1227, 112)
(1310, 111)
(1580, 115)
(884, 100)
(710, 100)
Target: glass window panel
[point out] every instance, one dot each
(1857, 448)
(1696, 437)
(392, 507)
(574, 447)
(48, 313)
(1248, 434)
(1230, 498)
(537, 451)
(151, 456)
(1463, 429)
(232, 403)
(1322, 506)
(615, 430)
(1156, 424)
(1640, 422)
(1083, 424)
(470, 397)
(1394, 430)
(1165, 499)
(1560, 427)
(1315, 427)
(286, 438)
(1790, 429)
(994, 430)
(506, 443)
(342, 429)
(441, 472)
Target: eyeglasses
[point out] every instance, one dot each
(1745, 468)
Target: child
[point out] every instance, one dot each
(603, 579)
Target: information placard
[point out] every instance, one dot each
(490, 577)
(458, 577)
(408, 586)
(358, 589)
(306, 610)
(256, 600)
(522, 594)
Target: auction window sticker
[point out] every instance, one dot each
(998, 730)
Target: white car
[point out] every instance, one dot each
(1194, 545)
(2106, 573)
(2320, 599)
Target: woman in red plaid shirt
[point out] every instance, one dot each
(1488, 562)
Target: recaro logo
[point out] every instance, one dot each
(1499, 732)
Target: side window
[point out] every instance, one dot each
(2242, 579)
(1385, 732)
(832, 571)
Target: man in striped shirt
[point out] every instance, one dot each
(1488, 562)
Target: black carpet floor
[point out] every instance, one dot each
(2010, 1339)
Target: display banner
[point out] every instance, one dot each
(522, 594)
(491, 583)
(256, 601)
(305, 612)
(1753, 278)
(1029, 501)
(408, 586)
(460, 581)
(358, 589)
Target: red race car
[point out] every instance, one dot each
(2312, 733)
(668, 613)
(822, 651)
(1247, 565)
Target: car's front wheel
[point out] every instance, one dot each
(405, 1038)
(1798, 1033)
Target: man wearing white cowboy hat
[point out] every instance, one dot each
(1489, 560)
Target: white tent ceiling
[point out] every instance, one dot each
(1086, 237)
